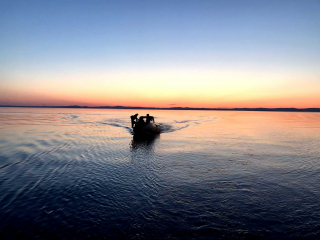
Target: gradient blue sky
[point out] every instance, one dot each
(189, 53)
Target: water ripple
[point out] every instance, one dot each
(77, 175)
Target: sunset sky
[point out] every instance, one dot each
(160, 53)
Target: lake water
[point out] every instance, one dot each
(80, 174)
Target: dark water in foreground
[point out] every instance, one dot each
(79, 174)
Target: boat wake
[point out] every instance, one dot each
(166, 128)
(166, 125)
(120, 126)
(179, 125)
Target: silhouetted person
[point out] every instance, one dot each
(149, 118)
(133, 119)
(141, 121)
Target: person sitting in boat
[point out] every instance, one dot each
(149, 119)
(140, 121)
(134, 119)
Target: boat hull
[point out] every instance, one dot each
(148, 129)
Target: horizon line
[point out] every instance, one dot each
(279, 109)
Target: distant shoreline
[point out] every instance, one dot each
(183, 108)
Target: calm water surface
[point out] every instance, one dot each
(80, 174)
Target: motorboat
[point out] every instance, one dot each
(150, 128)
(145, 125)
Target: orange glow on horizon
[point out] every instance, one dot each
(165, 89)
(146, 101)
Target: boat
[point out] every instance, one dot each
(144, 127)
